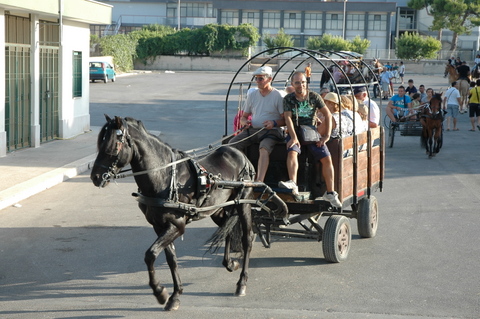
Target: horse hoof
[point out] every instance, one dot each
(162, 296)
(172, 305)
(234, 265)
(241, 291)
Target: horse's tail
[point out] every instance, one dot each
(231, 227)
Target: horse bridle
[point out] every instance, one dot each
(111, 170)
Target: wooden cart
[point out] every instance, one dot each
(358, 160)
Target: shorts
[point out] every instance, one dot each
(402, 74)
(474, 110)
(453, 110)
(294, 148)
(385, 87)
(308, 80)
(317, 152)
(266, 138)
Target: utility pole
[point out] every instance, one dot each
(178, 15)
(344, 18)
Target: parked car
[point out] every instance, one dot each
(102, 71)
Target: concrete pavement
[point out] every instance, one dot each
(30, 171)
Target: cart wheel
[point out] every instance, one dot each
(336, 240)
(367, 217)
(391, 135)
(387, 122)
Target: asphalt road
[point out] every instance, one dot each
(76, 251)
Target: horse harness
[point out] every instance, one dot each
(206, 182)
(431, 114)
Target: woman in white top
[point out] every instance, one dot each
(350, 106)
(332, 101)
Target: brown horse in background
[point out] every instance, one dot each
(432, 117)
(463, 85)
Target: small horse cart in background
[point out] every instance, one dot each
(406, 125)
(357, 175)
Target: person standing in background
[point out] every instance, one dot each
(308, 73)
(401, 71)
(474, 105)
(451, 103)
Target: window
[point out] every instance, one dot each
(292, 20)
(355, 22)
(252, 18)
(407, 19)
(229, 17)
(313, 21)
(334, 21)
(271, 20)
(77, 74)
(17, 29)
(191, 10)
(377, 22)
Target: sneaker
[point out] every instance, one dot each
(289, 185)
(333, 199)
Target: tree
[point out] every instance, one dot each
(280, 40)
(412, 46)
(359, 45)
(458, 16)
(337, 43)
(328, 42)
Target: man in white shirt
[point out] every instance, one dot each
(386, 77)
(451, 103)
(374, 110)
(265, 105)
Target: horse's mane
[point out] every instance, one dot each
(136, 124)
(141, 127)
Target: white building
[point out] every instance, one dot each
(380, 21)
(45, 62)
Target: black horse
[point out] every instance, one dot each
(175, 189)
(432, 117)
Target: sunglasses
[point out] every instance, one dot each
(260, 78)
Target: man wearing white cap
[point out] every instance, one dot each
(266, 107)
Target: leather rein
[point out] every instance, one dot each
(206, 181)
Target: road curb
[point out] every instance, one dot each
(21, 191)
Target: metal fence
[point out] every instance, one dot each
(387, 55)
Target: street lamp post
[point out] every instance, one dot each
(178, 15)
(344, 18)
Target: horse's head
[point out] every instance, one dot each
(450, 69)
(114, 151)
(436, 102)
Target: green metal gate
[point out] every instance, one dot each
(17, 82)
(49, 87)
(17, 96)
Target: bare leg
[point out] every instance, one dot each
(390, 114)
(454, 123)
(328, 172)
(292, 165)
(263, 161)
